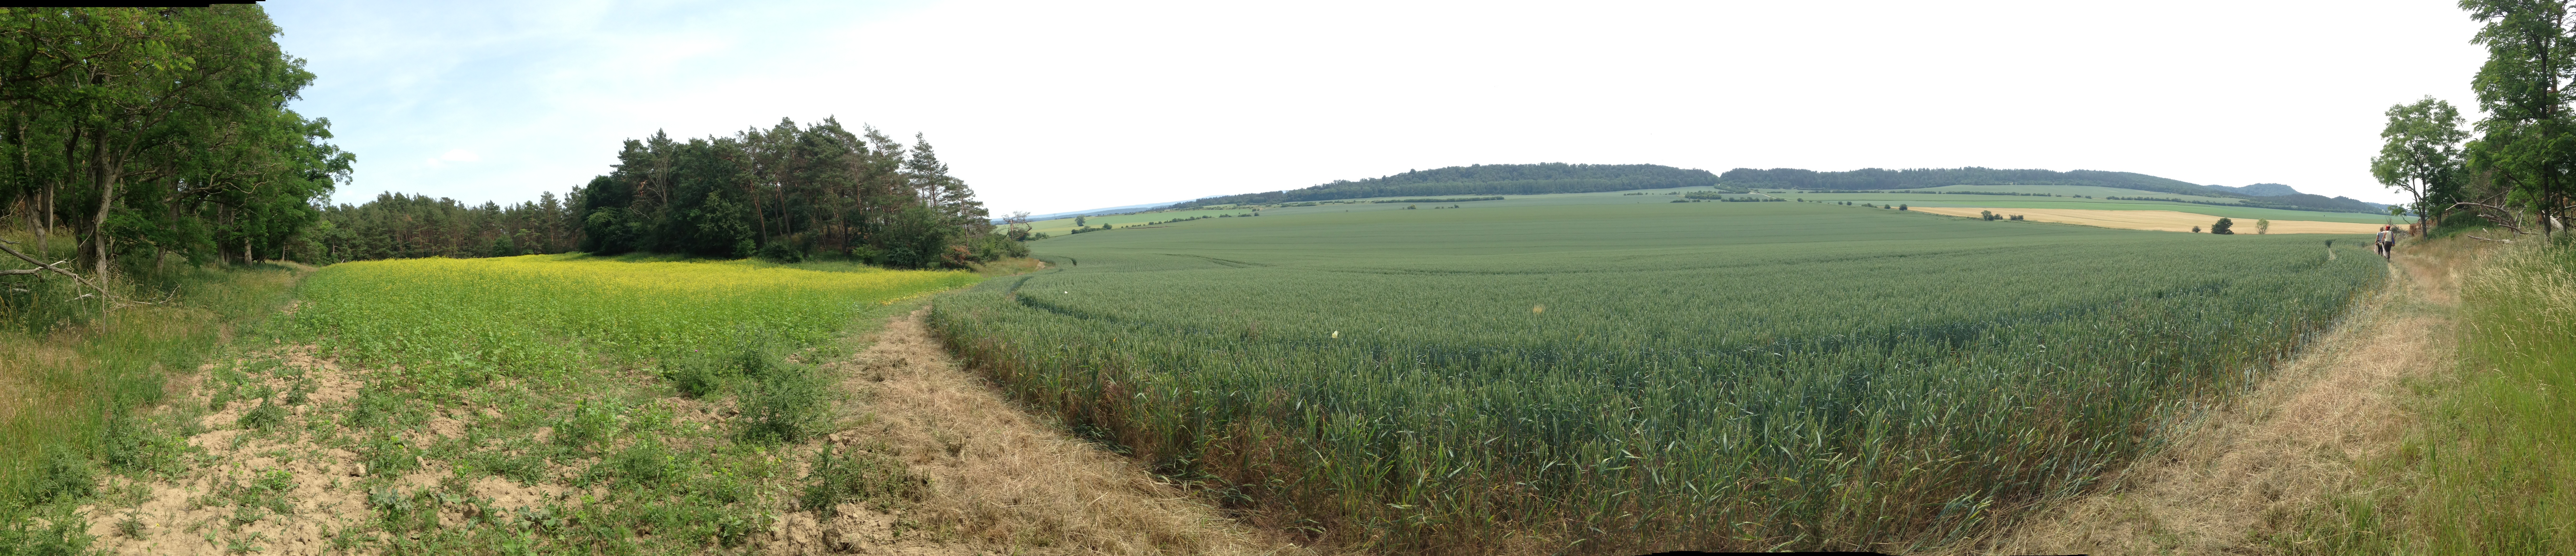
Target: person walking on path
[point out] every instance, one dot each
(2387, 241)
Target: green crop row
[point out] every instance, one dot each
(1761, 391)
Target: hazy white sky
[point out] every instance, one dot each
(1055, 106)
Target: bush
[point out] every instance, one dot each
(779, 251)
(66, 476)
(785, 403)
(2221, 228)
(591, 422)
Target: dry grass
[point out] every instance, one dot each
(2245, 469)
(2158, 220)
(1005, 481)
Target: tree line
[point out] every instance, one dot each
(157, 133)
(1484, 179)
(2511, 168)
(787, 193)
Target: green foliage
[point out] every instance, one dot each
(264, 417)
(1813, 380)
(2223, 227)
(785, 402)
(2421, 155)
(2523, 143)
(1482, 179)
(818, 187)
(66, 476)
(143, 130)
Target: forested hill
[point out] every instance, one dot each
(2262, 194)
(1487, 179)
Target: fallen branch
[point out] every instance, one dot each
(2505, 222)
(76, 277)
(2489, 239)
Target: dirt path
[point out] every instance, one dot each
(2248, 467)
(1002, 480)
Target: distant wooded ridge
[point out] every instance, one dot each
(2265, 195)
(1539, 179)
(1485, 179)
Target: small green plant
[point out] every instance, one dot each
(843, 476)
(591, 422)
(66, 475)
(646, 463)
(264, 417)
(785, 403)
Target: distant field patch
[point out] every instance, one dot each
(2158, 220)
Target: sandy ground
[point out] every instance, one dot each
(2158, 220)
(2249, 466)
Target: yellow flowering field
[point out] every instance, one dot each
(469, 320)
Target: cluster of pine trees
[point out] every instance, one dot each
(133, 132)
(786, 193)
(398, 226)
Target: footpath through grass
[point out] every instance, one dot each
(2490, 467)
(1621, 378)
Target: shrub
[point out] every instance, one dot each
(66, 475)
(779, 251)
(784, 403)
(591, 422)
(2222, 227)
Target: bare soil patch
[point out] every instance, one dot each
(2158, 220)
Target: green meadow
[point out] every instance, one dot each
(1608, 373)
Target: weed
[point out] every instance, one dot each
(66, 476)
(264, 417)
(130, 527)
(785, 402)
(840, 476)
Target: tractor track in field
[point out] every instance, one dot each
(2247, 469)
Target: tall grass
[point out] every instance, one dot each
(1779, 392)
(2491, 469)
(66, 367)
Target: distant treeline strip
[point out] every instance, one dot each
(1448, 200)
(1880, 180)
(1916, 178)
(1485, 179)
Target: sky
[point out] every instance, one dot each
(1058, 106)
